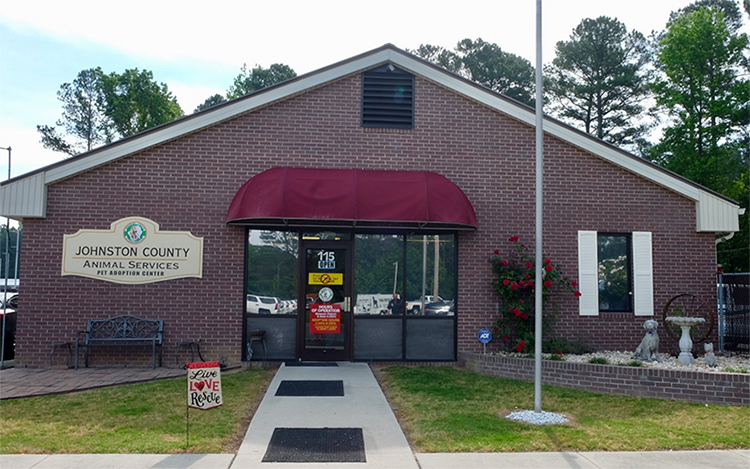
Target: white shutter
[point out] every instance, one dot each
(588, 273)
(643, 280)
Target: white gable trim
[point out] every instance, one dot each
(713, 214)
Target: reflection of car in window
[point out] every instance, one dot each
(440, 308)
(12, 301)
(415, 306)
(372, 303)
(262, 304)
(288, 307)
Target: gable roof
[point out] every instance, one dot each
(25, 195)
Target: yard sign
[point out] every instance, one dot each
(204, 385)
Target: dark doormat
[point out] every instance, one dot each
(316, 445)
(311, 388)
(311, 364)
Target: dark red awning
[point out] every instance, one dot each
(351, 197)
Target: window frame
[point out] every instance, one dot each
(629, 264)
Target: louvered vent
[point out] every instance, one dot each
(388, 98)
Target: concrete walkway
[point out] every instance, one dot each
(363, 406)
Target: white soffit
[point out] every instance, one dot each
(25, 197)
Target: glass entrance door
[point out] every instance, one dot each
(325, 328)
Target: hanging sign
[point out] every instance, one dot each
(204, 385)
(325, 319)
(132, 251)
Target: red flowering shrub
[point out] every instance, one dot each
(513, 282)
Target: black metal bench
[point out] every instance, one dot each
(123, 331)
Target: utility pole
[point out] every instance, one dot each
(7, 262)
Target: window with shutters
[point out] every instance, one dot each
(388, 98)
(615, 273)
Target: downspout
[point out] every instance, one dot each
(726, 237)
(729, 236)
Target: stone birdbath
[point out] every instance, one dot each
(686, 343)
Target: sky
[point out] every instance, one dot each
(198, 48)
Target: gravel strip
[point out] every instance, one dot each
(725, 364)
(734, 363)
(537, 418)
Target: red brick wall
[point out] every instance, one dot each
(681, 385)
(187, 185)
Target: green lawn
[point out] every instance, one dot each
(449, 410)
(139, 418)
(442, 409)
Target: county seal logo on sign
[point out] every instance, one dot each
(134, 233)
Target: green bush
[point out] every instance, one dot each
(514, 281)
(632, 363)
(599, 361)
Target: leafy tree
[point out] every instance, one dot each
(97, 108)
(486, 64)
(598, 80)
(211, 102)
(258, 78)
(731, 10)
(135, 102)
(439, 56)
(705, 94)
(83, 116)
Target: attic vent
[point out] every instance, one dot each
(388, 98)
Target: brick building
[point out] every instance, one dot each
(317, 199)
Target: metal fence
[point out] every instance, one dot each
(734, 311)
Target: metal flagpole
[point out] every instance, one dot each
(5, 291)
(539, 280)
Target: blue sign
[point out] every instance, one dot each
(485, 336)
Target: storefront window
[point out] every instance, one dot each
(379, 273)
(419, 269)
(272, 272)
(431, 274)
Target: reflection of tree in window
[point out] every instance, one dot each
(421, 254)
(272, 263)
(614, 273)
(376, 257)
